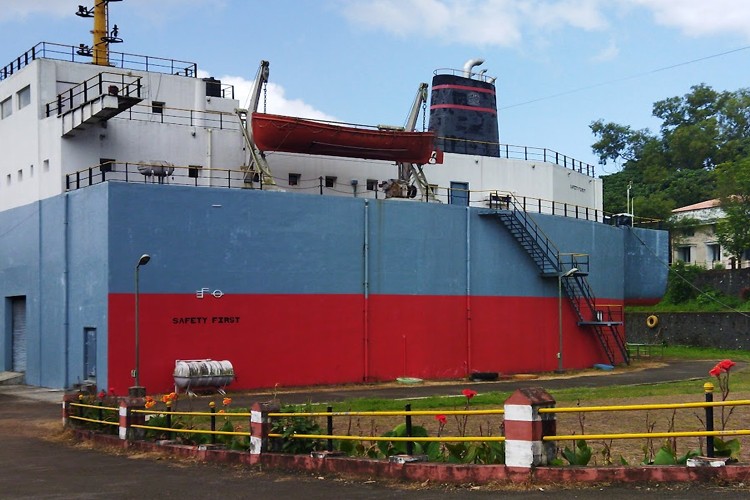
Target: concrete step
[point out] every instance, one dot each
(11, 378)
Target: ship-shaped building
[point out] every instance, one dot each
(146, 220)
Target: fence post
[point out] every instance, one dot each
(212, 406)
(260, 427)
(128, 418)
(329, 428)
(708, 388)
(409, 444)
(66, 409)
(525, 427)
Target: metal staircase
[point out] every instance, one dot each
(571, 271)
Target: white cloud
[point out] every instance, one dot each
(700, 17)
(608, 53)
(481, 22)
(277, 102)
(11, 10)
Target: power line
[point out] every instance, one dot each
(625, 78)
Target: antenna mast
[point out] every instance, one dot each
(102, 35)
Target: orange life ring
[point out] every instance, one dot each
(652, 321)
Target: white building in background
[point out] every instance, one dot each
(696, 242)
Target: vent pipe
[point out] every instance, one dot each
(471, 63)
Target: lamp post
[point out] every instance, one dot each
(137, 391)
(560, 277)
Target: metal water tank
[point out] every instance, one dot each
(202, 373)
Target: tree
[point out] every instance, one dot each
(676, 166)
(733, 231)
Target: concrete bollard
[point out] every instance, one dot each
(525, 427)
(260, 426)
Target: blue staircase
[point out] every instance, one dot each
(570, 269)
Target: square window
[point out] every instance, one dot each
(294, 179)
(372, 184)
(24, 97)
(330, 181)
(157, 107)
(194, 171)
(6, 108)
(106, 165)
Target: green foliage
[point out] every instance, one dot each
(676, 166)
(476, 453)
(680, 283)
(388, 448)
(668, 456)
(291, 425)
(579, 455)
(733, 231)
(729, 448)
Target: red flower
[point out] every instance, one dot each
(112, 391)
(102, 394)
(715, 371)
(469, 393)
(442, 419)
(726, 364)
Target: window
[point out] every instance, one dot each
(45, 166)
(372, 184)
(31, 170)
(6, 108)
(294, 179)
(7, 179)
(24, 97)
(330, 181)
(194, 171)
(20, 175)
(157, 107)
(683, 254)
(106, 165)
(714, 252)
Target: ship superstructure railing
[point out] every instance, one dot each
(60, 52)
(236, 178)
(526, 153)
(117, 84)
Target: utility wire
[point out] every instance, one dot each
(675, 273)
(626, 78)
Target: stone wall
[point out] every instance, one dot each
(729, 282)
(720, 330)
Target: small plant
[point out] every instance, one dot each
(579, 455)
(721, 372)
(291, 425)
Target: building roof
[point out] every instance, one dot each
(698, 206)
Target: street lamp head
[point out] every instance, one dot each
(570, 272)
(143, 260)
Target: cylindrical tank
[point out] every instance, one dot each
(202, 373)
(463, 113)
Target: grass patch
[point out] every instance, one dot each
(740, 382)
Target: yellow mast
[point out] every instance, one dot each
(100, 46)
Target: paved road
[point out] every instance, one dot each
(37, 461)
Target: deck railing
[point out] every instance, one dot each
(60, 52)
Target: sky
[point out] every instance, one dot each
(560, 64)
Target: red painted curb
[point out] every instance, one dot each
(434, 472)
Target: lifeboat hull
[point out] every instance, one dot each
(299, 135)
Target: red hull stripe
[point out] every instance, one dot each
(463, 87)
(468, 108)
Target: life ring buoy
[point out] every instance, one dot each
(652, 321)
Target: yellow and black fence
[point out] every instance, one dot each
(527, 422)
